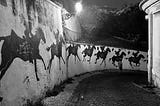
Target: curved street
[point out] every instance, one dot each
(113, 89)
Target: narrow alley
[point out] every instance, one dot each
(108, 88)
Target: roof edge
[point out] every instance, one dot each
(145, 4)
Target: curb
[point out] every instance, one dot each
(153, 90)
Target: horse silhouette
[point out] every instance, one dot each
(16, 47)
(73, 49)
(3, 2)
(56, 50)
(146, 60)
(88, 52)
(135, 53)
(135, 60)
(117, 52)
(117, 58)
(102, 54)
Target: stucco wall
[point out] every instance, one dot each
(112, 56)
(31, 32)
(34, 56)
(152, 8)
(156, 49)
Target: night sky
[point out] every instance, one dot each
(110, 3)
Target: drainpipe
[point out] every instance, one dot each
(150, 45)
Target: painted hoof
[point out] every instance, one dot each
(1, 98)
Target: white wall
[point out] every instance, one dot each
(84, 66)
(156, 49)
(152, 8)
(19, 83)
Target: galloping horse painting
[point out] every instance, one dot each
(26, 49)
(117, 58)
(103, 55)
(56, 50)
(73, 49)
(88, 52)
(135, 59)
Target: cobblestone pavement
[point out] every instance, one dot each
(105, 88)
(112, 89)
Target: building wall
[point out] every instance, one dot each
(156, 49)
(72, 27)
(152, 8)
(111, 57)
(33, 54)
(31, 32)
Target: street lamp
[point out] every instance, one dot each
(66, 16)
(78, 7)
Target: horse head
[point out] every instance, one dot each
(102, 47)
(141, 56)
(78, 45)
(108, 50)
(135, 54)
(123, 54)
(129, 52)
(93, 47)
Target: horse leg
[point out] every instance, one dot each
(35, 65)
(102, 62)
(130, 64)
(59, 63)
(63, 60)
(40, 57)
(49, 65)
(114, 63)
(84, 58)
(75, 59)
(78, 57)
(4, 66)
(89, 60)
(95, 61)
(44, 64)
(68, 56)
(1, 98)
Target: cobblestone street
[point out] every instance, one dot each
(111, 89)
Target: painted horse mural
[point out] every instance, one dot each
(88, 52)
(73, 50)
(103, 55)
(16, 47)
(3, 3)
(135, 53)
(56, 50)
(135, 60)
(117, 58)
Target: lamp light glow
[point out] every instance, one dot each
(78, 7)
